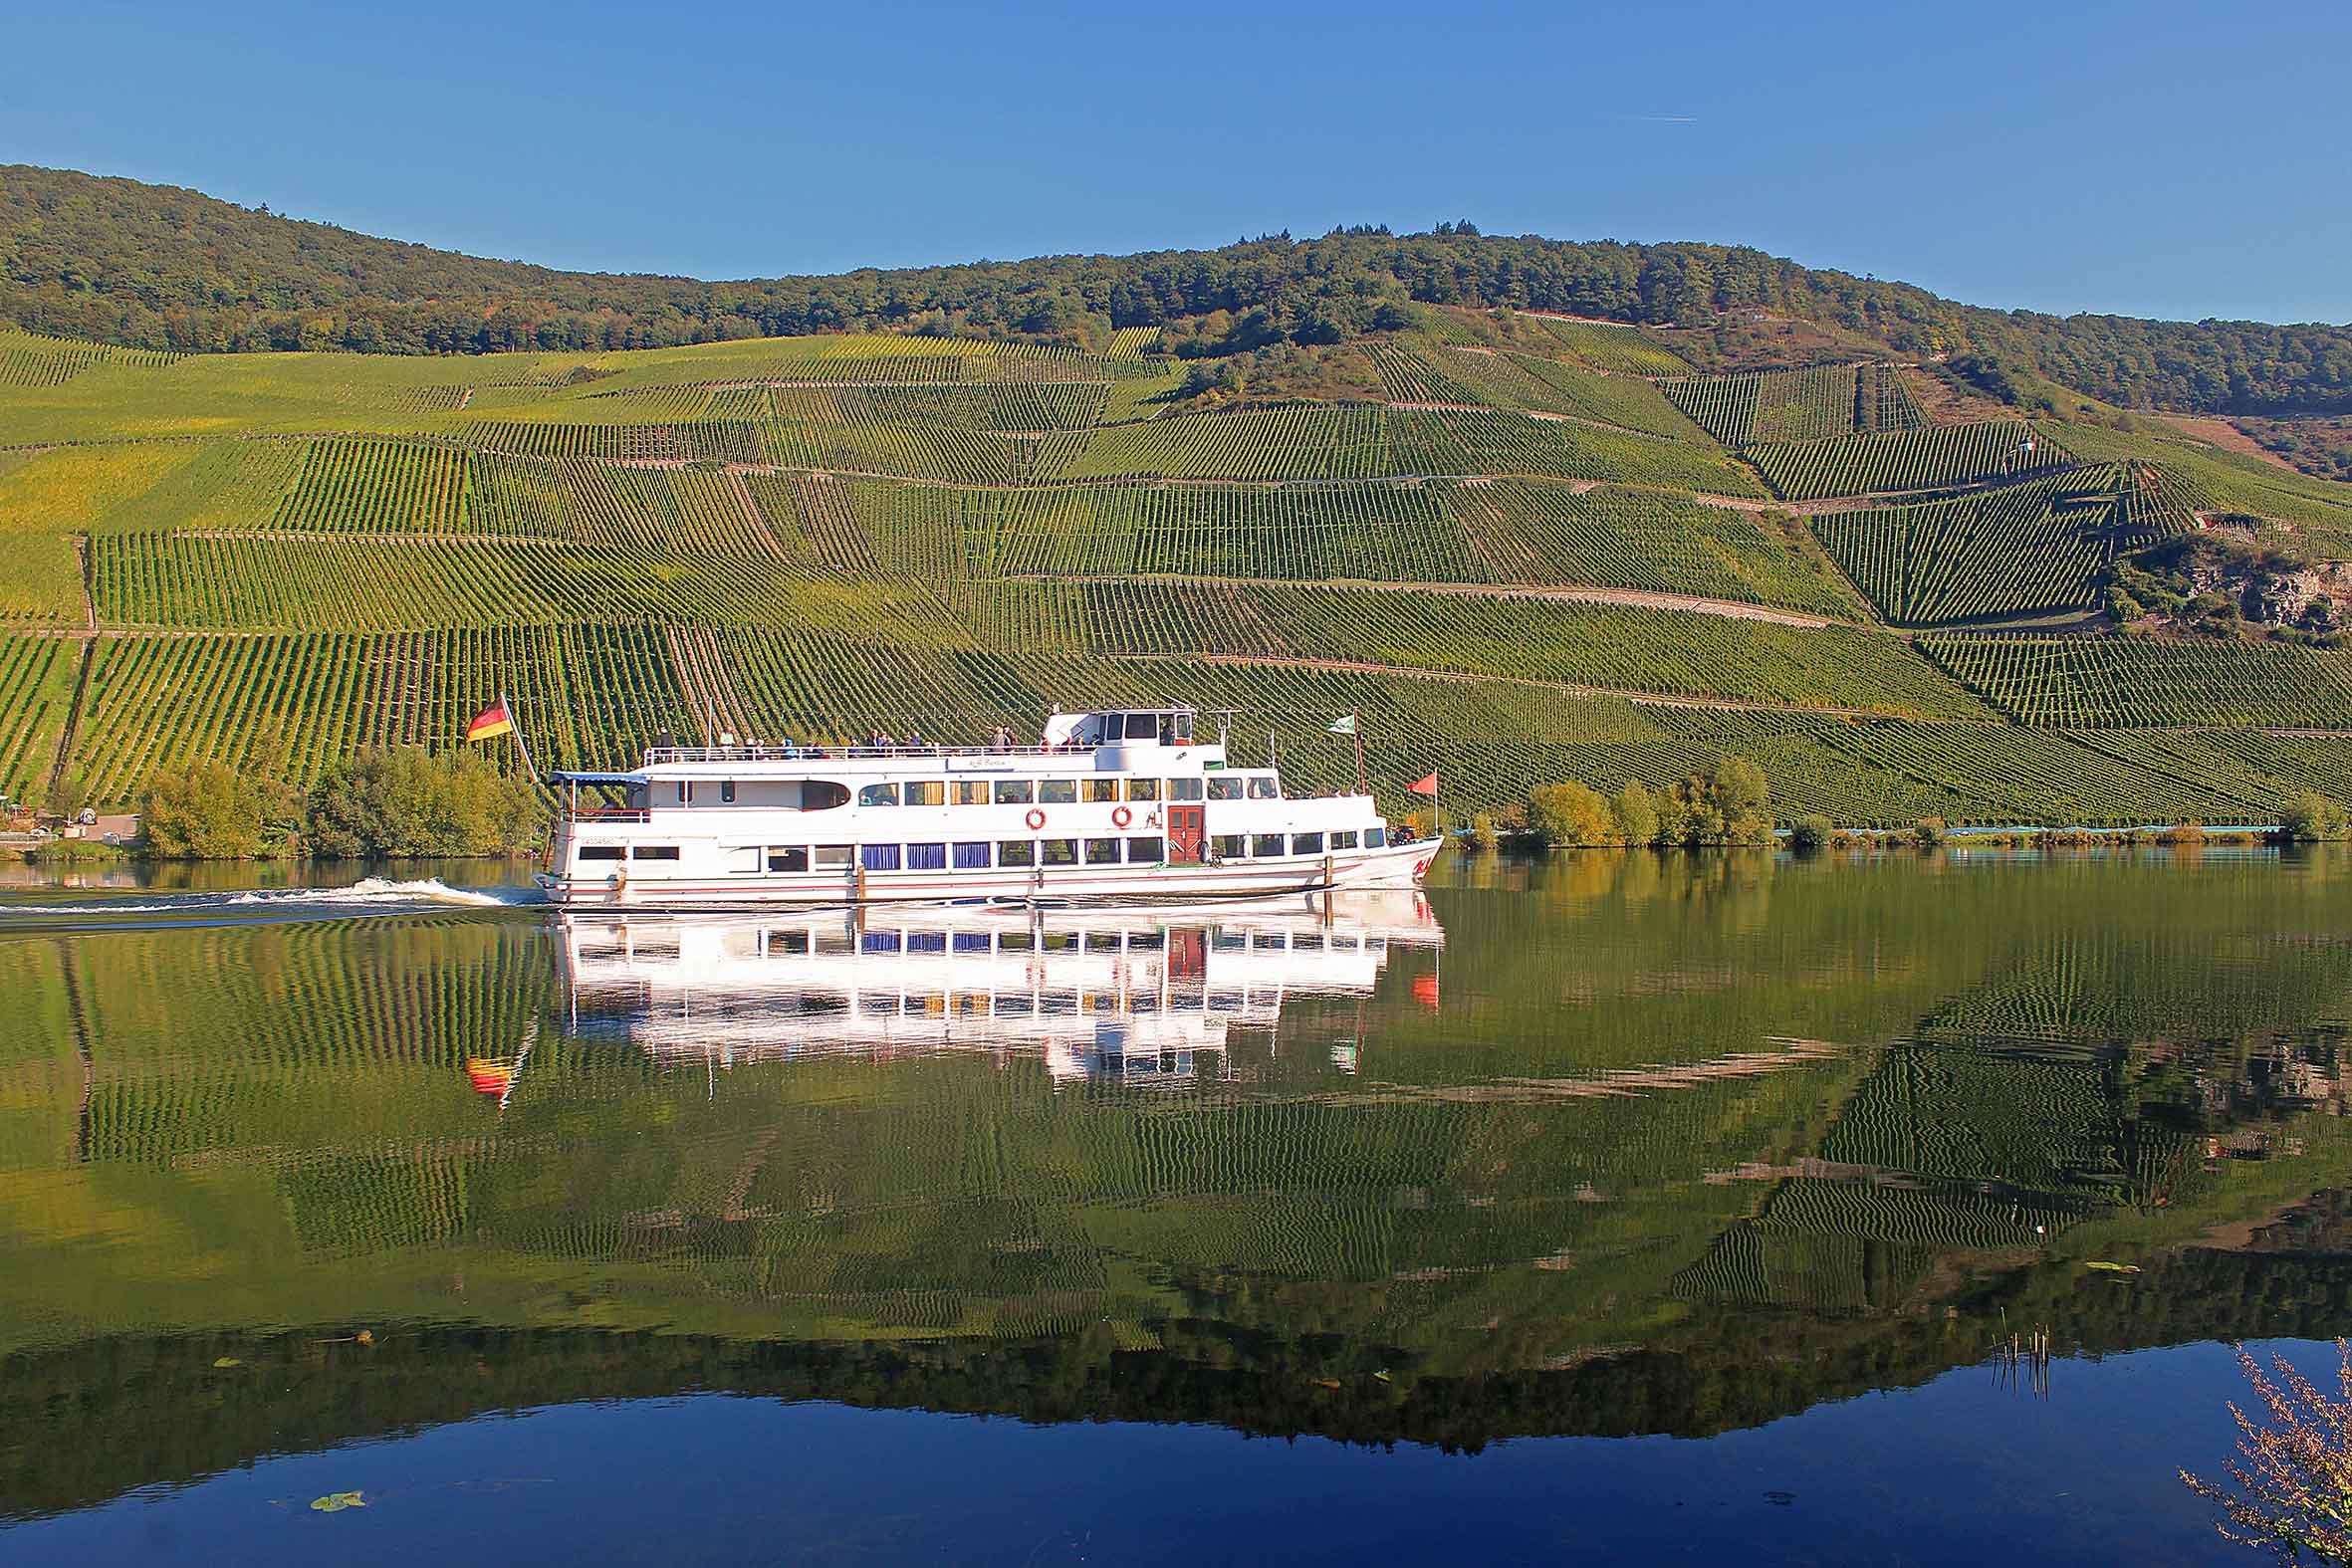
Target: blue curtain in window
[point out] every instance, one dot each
(879, 857)
(926, 857)
(971, 857)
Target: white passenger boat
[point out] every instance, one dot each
(1114, 804)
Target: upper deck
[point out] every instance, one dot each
(1117, 741)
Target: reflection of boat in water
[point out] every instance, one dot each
(1134, 994)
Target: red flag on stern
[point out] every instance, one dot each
(491, 721)
(1427, 786)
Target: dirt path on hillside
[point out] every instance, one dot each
(1872, 500)
(1642, 598)
(1567, 688)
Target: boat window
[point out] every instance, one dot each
(1014, 1005)
(822, 795)
(1102, 788)
(971, 791)
(1012, 942)
(972, 857)
(1144, 942)
(832, 857)
(1016, 852)
(972, 942)
(1184, 789)
(1344, 840)
(1265, 844)
(1230, 942)
(654, 852)
(1262, 788)
(1143, 789)
(794, 858)
(1143, 727)
(1375, 838)
(1016, 791)
(744, 861)
(1225, 786)
(1103, 851)
(1306, 843)
(926, 942)
(1058, 851)
(1306, 942)
(1058, 942)
(1230, 847)
(1057, 792)
(600, 851)
(789, 943)
(1268, 941)
(927, 791)
(878, 795)
(1184, 728)
(1145, 851)
(1102, 942)
(726, 791)
(879, 942)
(879, 857)
(926, 857)
(685, 792)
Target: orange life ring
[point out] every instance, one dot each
(1120, 817)
(1036, 820)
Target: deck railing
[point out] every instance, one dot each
(656, 755)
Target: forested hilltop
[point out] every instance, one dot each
(153, 266)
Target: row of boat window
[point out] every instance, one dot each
(792, 941)
(1037, 792)
(1019, 853)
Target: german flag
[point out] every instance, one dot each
(490, 722)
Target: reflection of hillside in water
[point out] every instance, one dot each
(1130, 995)
(1671, 1145)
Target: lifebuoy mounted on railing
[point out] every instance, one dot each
(1120, 817)
(1036, 820)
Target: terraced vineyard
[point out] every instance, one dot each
(1817, 403)
(2022, 549)
(807, 537)
(2122, 682)
(1933, 457)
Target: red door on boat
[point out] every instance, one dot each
(1185, 834)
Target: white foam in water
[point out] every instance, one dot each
(375, 892)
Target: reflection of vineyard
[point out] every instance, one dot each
(1596, 1142)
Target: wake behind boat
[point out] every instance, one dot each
(1113, 803)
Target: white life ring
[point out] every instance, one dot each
(1036, 820)
(1120, 817)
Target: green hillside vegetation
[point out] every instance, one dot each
(1526, 548)
(161, 269)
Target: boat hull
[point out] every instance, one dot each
(1391, 867)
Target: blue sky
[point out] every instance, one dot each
(2151, 159)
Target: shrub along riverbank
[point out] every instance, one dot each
(1732, 807)
(383, 802)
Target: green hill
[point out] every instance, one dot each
(1523, 547)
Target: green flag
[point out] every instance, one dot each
(1345, 725)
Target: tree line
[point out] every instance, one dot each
(155, 267)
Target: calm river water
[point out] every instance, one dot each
(1622, 1208)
